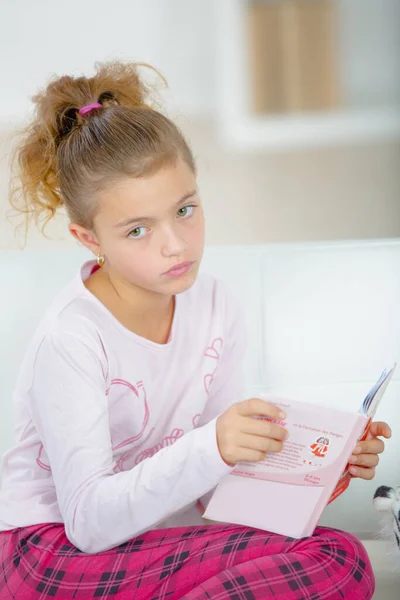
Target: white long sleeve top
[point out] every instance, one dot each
(115, 433)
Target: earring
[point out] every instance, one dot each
(100, 260)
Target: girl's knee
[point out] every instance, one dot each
(349, 552)
(347, 543)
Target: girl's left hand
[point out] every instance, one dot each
(365, 456)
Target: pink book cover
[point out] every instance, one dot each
(287, 492)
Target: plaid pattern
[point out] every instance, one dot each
(218, 562)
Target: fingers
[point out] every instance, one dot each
(261, 444)
(266, 429)
(373, 446)
(363, 472)
(247, 455)
(365, 460)
(256, 406)
(365, 457)
(240, 437)
(380, 428)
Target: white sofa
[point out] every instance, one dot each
(323, 321)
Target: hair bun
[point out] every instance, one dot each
(62, 145)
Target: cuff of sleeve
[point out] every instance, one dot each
(210, 452)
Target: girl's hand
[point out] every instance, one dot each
(240, 437)
(365, 456)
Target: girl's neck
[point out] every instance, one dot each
(143, 312)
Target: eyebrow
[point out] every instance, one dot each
(152, 219)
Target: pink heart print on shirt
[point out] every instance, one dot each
(138, 394)
(213, 352)
(195, 420)
(136, 440)
(120, 464)
(167, 441)
(43, 465)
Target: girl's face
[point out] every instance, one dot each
(146, 226)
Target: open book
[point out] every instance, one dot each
(287, 492)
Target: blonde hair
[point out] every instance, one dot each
(64, 158)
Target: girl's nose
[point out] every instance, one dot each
(172, 243)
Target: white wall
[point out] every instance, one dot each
(370, 51)
(50, 36)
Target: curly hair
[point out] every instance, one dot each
(64, 158)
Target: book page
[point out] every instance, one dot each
(369, 407)
(317, 438)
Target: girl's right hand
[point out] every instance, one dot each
(240, 437)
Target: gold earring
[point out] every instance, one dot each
(100, 260)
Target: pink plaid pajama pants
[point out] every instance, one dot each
(218, 562)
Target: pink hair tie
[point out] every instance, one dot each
(88, 108)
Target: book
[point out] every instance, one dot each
(287, 492)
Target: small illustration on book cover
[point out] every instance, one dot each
(320, 447)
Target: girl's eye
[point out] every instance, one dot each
(137, 233)
(185, 211)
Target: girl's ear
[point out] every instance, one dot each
(86, 237)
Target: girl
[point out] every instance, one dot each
(129, 402)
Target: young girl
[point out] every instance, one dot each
(129, 403)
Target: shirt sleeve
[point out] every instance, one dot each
(102, 509)
(228, 382)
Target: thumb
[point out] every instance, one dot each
(379, 428)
